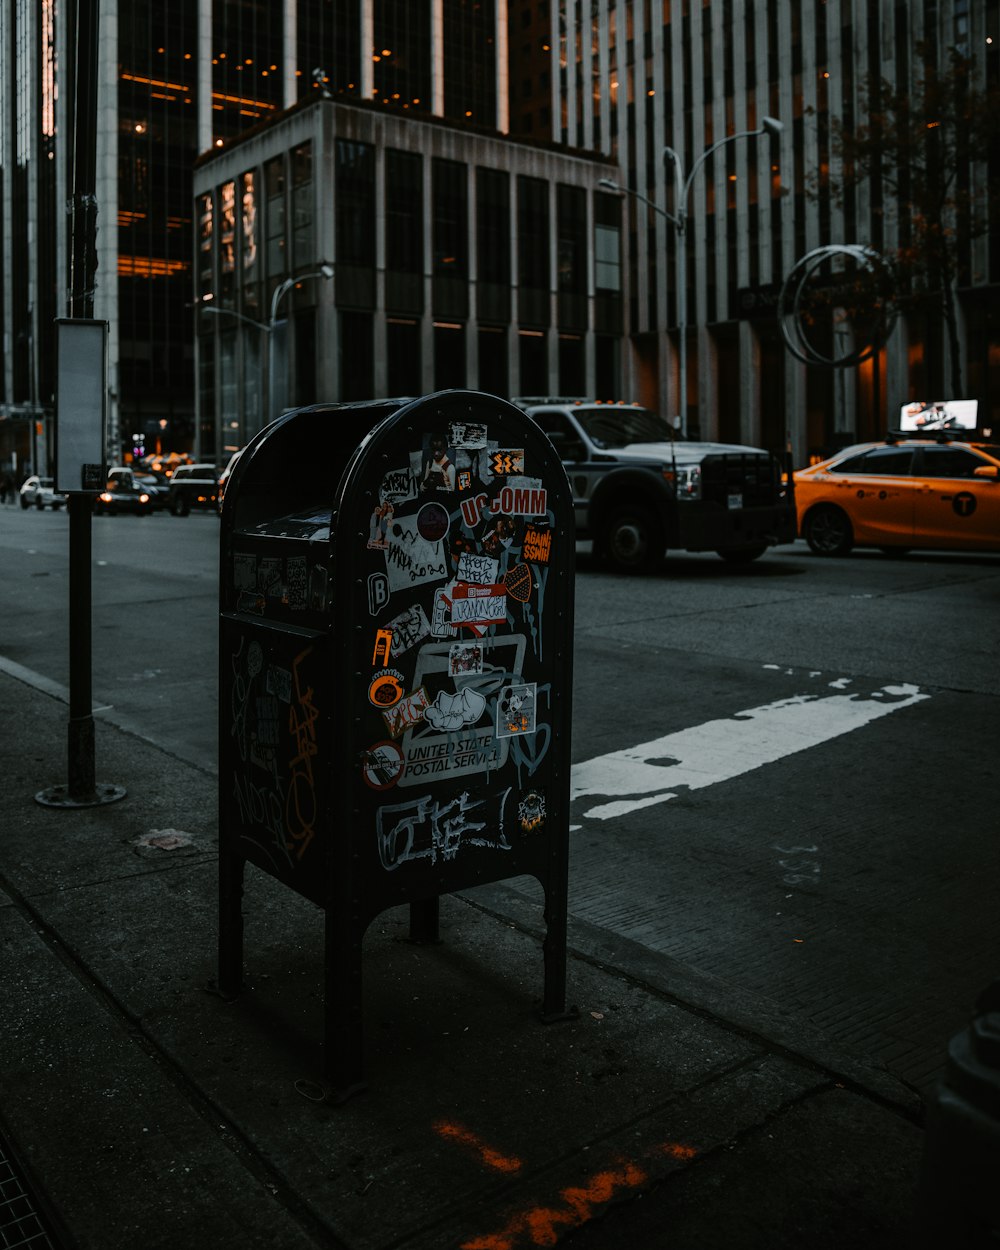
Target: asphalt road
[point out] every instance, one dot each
(785, 775)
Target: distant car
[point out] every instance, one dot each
(193, 486)
(139, 482)
(158, 486)
(938, 492)
(125, 494)
(41, 491)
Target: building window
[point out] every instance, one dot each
(571, 257)
(402, 349)
(355, 200)
(206, 258)
(534, 362)
(450, 219)
(354, 197)
(357, 356)
(493, 244)
(449, 356)
(533, 251)
(493, 370)
(248, 242)
(227, 238)
(607, 258)
(450, 234)
(303, 237)
(277, 248)
(572, 365)
(404, 232)
(607, 267)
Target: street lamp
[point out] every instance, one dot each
(272, 324)
(679, 220)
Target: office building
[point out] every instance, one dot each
(347, 252)
(174, 81)
(632, 77)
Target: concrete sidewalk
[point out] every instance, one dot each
(674, 1112)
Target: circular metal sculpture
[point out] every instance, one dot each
(836, 307)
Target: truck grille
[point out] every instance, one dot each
(755, 477)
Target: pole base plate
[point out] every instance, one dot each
(59, 796)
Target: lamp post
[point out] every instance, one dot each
(272, 324)
(679, 220)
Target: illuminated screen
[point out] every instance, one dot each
(942, 414)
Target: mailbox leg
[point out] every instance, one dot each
(424, 919)
(230, 924)
(343, 1006)
(554, 952)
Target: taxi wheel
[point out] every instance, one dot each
(828, 531)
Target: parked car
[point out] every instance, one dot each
(638, 491)
(41, 491)
(193, 486)
(226, 474)
(941, 492)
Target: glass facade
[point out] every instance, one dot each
(401, 54)
(247, 39)
(328, 53)
(157, 137)
(470, 84)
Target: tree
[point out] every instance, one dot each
(924, 153)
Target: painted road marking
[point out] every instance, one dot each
(719, 750)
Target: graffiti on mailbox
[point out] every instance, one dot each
(459, 583)
(275, 730)
(437, 828)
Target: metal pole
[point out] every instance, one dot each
(681, 253)
(81, 789)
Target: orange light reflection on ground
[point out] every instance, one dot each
(492, 1158)
(544, 1226)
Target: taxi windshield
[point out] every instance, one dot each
(621, 427)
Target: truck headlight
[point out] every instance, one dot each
(687, 484)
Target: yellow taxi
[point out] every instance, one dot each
(906, 492)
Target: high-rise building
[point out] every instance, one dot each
(174, 81)
(634, 77)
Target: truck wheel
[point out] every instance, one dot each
(828, 531)
(633, 541)
(741, 555)
(182, 506)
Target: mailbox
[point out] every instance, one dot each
(396, 637)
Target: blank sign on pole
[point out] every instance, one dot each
(81, 404)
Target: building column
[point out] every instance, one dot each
(749, 389)
(437, 57)
(290, 58)
(204, 72)
(502, 69)
(367, 46)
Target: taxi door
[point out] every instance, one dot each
(878, 492)
(954, 507)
